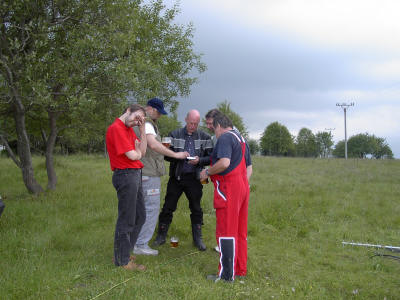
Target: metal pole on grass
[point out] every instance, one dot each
(345, 106)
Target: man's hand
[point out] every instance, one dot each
(194, 161)
(139, 120)
(181, 155)
(135, 154)
(137, 148)
(203, 175)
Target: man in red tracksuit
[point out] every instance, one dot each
(230, 171)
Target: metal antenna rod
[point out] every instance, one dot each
(345, 106)
(391, 248)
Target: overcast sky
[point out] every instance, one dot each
(291, 61)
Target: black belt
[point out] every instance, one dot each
(127, 170)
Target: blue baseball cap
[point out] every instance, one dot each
(157, 104)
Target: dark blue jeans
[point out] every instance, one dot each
(131, 212)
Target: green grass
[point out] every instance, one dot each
(60, 245)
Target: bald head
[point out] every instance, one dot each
(194, 113)
(192, 120)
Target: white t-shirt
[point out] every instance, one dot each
(149, 128)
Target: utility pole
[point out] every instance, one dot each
(330, 130)
(345, 106)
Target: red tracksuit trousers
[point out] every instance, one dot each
(231, 201)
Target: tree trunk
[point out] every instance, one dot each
(50, 144)
(24, 151)
(10, 151)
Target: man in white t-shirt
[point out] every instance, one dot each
(152, 171)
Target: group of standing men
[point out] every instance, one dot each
(137, 160)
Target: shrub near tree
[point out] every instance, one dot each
(277, 141)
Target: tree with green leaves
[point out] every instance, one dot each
(168, 123)
(237, 121)
(360, 145)
(276, 140)
(63, 62)
(306, 145)
(381, 149)
(253, 146)
(339, 150)
(363, 144)
(324, 143)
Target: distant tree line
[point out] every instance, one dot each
(276, 140)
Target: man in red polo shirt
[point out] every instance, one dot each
(125, 151)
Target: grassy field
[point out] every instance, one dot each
(60, 245)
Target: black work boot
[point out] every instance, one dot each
(197, 237)
(161, 234)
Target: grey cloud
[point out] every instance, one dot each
(266, 70)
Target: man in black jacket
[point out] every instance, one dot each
(184, 177)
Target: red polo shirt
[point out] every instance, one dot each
(119, 140)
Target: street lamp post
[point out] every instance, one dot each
(345, 106)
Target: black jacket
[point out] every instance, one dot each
(203, 148)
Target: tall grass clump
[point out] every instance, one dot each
(59, 245)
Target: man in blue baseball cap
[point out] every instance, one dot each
(157, 104)
(152, 171)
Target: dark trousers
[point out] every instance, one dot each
(2, 205)
(131, 212)
(193, 190)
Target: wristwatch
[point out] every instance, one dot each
(207, 172)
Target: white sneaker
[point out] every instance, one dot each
(216, 248)
(144, 250)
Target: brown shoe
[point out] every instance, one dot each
(131, 266)
(131, 258)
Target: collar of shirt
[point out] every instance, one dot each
(122, 125)
(187, 133)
